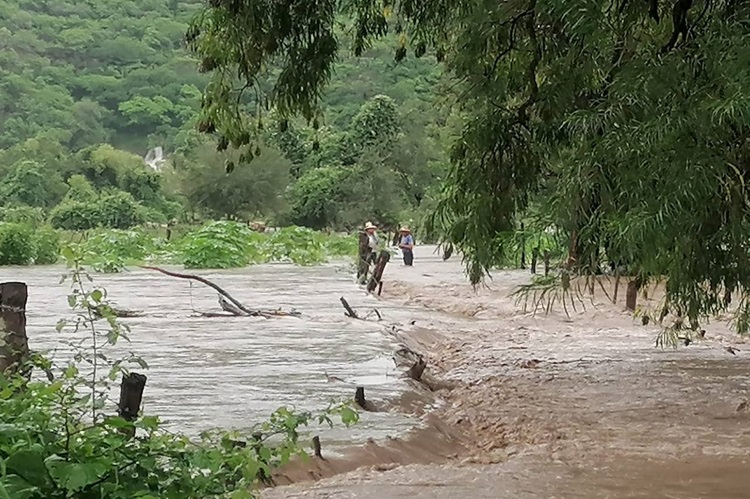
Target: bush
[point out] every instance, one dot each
(47, 245)
(75, 215)
(219, 245)
(114, 209)
(109, 250)
(17, 245)
(119, 210)
(22, 214)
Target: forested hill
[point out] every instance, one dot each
(86, 72)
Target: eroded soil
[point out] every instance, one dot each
(533, 405)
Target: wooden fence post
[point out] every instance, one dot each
(14, 344)
(131, 394)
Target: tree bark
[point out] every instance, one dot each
(14, 344)
(534, 259)
(131, 395)
(632, 295)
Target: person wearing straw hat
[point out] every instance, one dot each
(373, 241)
(407, 246)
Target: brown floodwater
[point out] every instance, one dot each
(233, 372)
(578, 405)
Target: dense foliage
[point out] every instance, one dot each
(90, 87)
(221, 244)
(60, 437)
(629, 119)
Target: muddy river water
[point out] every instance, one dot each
(576, 405)
(233, 372)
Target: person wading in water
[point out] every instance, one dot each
(373, 242)
(407, 246)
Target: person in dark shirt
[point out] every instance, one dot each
(407, 246)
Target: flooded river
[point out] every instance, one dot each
(233, 372)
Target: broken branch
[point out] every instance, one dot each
(255, 313)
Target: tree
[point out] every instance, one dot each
(28, 183)
(212, 184)
(636, 126)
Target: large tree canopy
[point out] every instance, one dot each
(630, 117)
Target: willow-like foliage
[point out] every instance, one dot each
(630, 117)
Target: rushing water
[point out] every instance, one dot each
(233, 372)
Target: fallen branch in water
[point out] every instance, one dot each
(240, 307)
(351, 313)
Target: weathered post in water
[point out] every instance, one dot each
(131, 395)
(546, 263)
(14, 344)
(377, 274)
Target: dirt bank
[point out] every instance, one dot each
(555, 406)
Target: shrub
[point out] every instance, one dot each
(22, 214)
(47, 245)
(17, 245)
(219, 245)
(75, 215)
(114, 209)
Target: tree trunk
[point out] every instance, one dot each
(523, 247)
(534, 259)
(632, 295)
(14, 344)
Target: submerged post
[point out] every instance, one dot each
(14, 344)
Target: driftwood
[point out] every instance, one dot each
(238, 306)
(351, 313)
(14, 344)
(99, 312)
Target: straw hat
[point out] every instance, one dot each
(369, 225)
(404, 229)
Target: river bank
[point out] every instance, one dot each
(549, 405)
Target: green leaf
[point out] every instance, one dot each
(349, 416)
(76, 476)
(60, 325)
(70, 372)
(72, 299)
(97, 295)
(29, 463)
(14, 487)
(150, 422)
(117, 422)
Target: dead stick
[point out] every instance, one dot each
(212, 285)
(349, 310)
